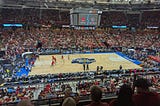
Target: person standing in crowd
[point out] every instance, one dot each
(96, 95)
(124, 97)
(25, 103)
(143, 96)
(69, 101)
(39, 45)
(67, 93)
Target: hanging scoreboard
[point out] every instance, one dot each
(85, 17)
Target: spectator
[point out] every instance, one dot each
(96, 95)
(124, 97)
(144, 97)
(25, 103)
(69, 102)
(67, 93)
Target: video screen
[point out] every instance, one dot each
(88, 19)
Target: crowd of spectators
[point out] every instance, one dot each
(38, 17)
(142, 19)
(16, 94)
(16, 41)
(21, 40)
(34, 17)
(150, 18)
(55, 90)
(113, 18)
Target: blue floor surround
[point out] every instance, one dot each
(24, 71)
(126, 57)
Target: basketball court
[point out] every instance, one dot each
(109, 61)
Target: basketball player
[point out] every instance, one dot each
(53, 61)
(53, 58)
(68, 57)
(62, 57)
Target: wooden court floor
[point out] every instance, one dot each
(109, 61)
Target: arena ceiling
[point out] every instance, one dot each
(69, 4)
